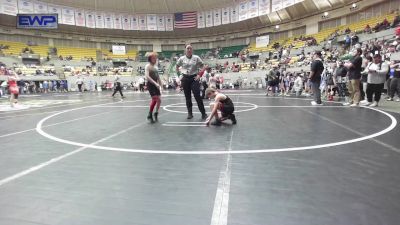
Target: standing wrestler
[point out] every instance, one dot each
(190, 65)
(13, 88)
(154, 86)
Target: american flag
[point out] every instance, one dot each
(186, 20)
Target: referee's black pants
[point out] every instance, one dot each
(118, 90)
(189, 85)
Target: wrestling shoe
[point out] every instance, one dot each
(150, 118)
(233, 118)
(156, 116)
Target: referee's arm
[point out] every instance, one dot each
(202, 68)
(178, 64)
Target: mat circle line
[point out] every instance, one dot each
(251, 107)
(39, 129)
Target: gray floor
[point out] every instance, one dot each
(175, 172)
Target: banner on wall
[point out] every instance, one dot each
(135, 22)
(217, 17)
(161, 23)
(108, 21)
(40, 7)
(25, 6)
(169, 22)
(55, 9)
(126, 22)
(264, 7)
(117, 21)
(252, 9)
(242, 10)
(118, 50)
(9, 7)
(201, 20)
(209, 18)
(80, 19)
(99, 20)
(287, 3)
(262, 41)
(225, 15)
(276, 5)
(90, 19)
(68, 16)
(142, 22)
(235, 14)
(151, 20)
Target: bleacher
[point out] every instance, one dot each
(231, 50)
(131, 54)
(15, 48)
(200, 52)
(31, 70)
(324, 34)
(77, 53)
(169, 54)
(253, 48)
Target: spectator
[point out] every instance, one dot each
(367, 29)
(394, 82)
(354, 68)
(396, 21)
(317, 67)
(377, 72)
(385, 24)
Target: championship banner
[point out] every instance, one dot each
(264, 7)
(99, 20)
(40, 7)
(201, 20)
(235, 14)
(25, 6)
(126, 22)
(142, 22)
(226, 15)
(68, 16)
(80, 19)
(108, 21)
(90, 19)
(169, 22)
(276, 5)
(151, 21)
(55, 9)
(209, 18)
(135, 22)
(242, 10)
(117, 21)
(287, 3)
(161, 23)
(252, 9)
(9, 7)
(217, 17)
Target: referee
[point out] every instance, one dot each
(190, 65)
